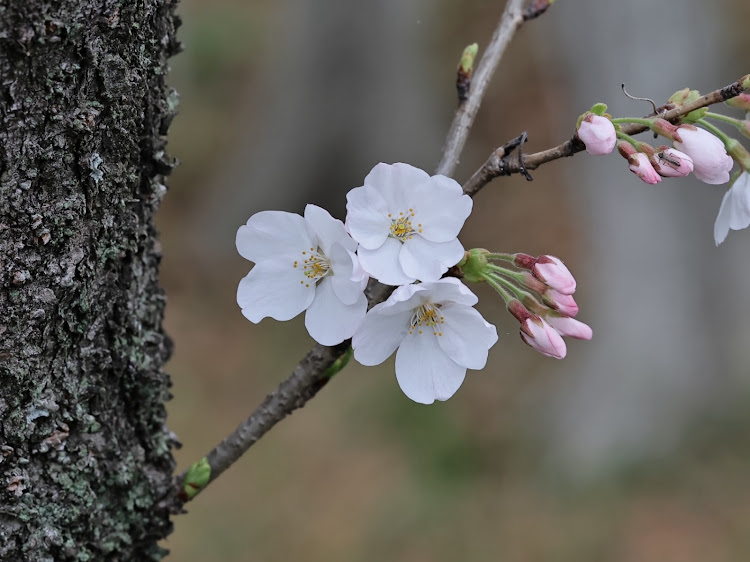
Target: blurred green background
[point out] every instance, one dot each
(633, 449)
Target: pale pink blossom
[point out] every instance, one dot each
(407, 223)
(711, 163)
(642, 168)
(597, 133)
(302, 264)
(672, 163)
(438, 335)
(570, 327)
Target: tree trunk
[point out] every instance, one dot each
(86, 461)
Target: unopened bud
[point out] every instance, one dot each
(741, 101)
(626, 149)
(711, 163)
(597, 133)
(641, 167)
(671, 163)
(665, 128)
(570, 327)
(565, 304)
(537, 333)
(467, 58)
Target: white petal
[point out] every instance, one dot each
(467, 337)
(734, 212)
(330, 231)
(394, 182)
(380, 334)
(347, 279)
(271, 234)
(367, 217)
(273, 288)
(441, 208)
(427, 261)
(449, 290)
(424, 372)
(328, 320)
(383, 264)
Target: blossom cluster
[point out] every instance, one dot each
(401, 229)
(703, 150)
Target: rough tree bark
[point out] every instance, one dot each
(86, 461)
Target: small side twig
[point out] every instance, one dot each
(499, 164)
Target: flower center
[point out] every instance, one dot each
(402, 227)
(427, 316)
(315, 265)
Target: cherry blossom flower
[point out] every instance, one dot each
(406, 223)
(597, 133)
(302, 264)
(734, 212)
(437, 333)
(711, 163)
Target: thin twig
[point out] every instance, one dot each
(500, 164)
(310, 375)
(510, 21)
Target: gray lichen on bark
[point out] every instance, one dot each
(85, 460)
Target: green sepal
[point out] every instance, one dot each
(196, 478)
(739, 153)
(599, 109)
(474, 265)
(685, 96)
(694, 116)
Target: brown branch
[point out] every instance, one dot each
(501, 163)
(313, 372)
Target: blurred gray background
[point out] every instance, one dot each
(634, 448)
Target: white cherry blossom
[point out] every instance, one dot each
(406, 223)
(302, 264)
(438, 335)
(734, 212)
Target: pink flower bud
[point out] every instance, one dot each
(742, 102)
(664, 128)
(711, 163)
(536, 332)
(671, 163)
(642, 168)
(570, 327)
(597, 133)
(564, 304)
(554, 274)
(543, 337)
